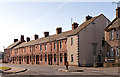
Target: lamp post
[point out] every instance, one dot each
(94, 53)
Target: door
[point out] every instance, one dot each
(65, 58)
(27, 59)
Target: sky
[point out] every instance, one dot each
(30, 18)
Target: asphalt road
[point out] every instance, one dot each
(39, 70)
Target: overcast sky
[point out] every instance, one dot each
(29, 18)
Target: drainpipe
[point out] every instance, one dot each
(57, 52)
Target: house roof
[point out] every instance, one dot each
(84, 24)
(114, 24)
(13, 45)
(45, 39)
(60, 36)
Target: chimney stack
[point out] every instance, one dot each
(15, 40)
(88, 17)
(74, 25)
(28, 39)
(118, 12)
(22, 38)
(58, 30)
(35, 36)
(46, 34)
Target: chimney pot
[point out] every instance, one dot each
(118, 12)
(35, 36)
(58, 30)
(15, 40)
(46, 34)
(22, 38)
(74, 25)
(28, 39)
(88, 17)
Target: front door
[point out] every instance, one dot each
(65, 58)
(27, 59)
(37, 59)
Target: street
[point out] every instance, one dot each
(38, 70)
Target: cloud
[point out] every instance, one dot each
(53, 11)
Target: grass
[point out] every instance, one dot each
(4, 68)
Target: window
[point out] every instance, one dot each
(40, 47)
(41, 57)
(34, 48)
(112, 51)
(45, 58)
(71, 41)
(54, 57)
(111, 35)
(17, 50)
(117, 34)
(60, 44)
(54, 45)
(30, 58)
(60, 57)
(117, 51)
(22, 50)
(30, 48)
(108, 53)
(45, 46)
(71, 57)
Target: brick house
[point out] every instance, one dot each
(112, 37)
(82, 40)
(74, 46)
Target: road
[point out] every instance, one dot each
(51, 70)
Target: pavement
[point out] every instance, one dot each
(60, 70)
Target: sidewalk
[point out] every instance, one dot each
(82, 69)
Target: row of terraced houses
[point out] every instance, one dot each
(95, 40)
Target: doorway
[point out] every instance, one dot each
(65, 58)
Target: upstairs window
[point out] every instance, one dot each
(117, 34)
(45, 46)
(54, 45)
(60, 44)
(71, 41)
(117, 51)
(40, 47)
(34, 48)
(108, 53)
(30, 48)
(111, 35)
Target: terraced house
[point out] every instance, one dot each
(74, 46)
(112, 38)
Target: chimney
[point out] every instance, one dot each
(35, 36)
(28, 39)
(15, 40)
(58, 30)
(22, 38)
(88, 17)
(118, 12)
(46, 34)
(74, 25)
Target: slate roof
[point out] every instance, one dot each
(60, 36)
(13, 45)
(84, 24)
(114, 24)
